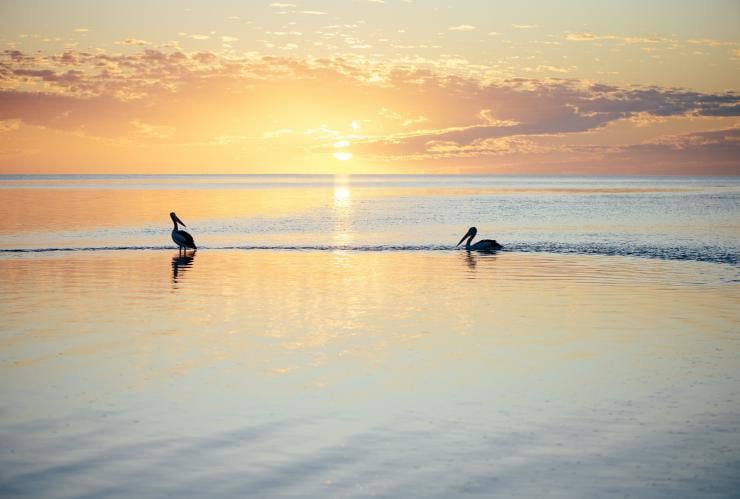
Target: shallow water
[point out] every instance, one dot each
(338, 370)
(683, 218)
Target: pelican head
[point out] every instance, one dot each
(470, 234)
(177, 220)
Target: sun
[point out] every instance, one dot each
(340, 150)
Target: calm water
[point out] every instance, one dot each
(328, 341)
(676, 218)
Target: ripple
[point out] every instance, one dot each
(711, 254)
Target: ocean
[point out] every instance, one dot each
(677, 218)
(328, 339)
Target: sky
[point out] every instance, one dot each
(370, 86)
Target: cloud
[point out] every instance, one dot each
(409, 113)
(8, 125)
(510, 114)
(414, 121)
(693, 140)
(80, 30)
(132, 41)
(706, 42)
(632, 40)
(524, 26)
(585, 37)
(462, 27)
(273, 134)
(710, 152)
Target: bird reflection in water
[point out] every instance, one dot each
(181, 264)
(474, 259)
(470, 259)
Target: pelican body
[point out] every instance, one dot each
(482, 245)
(181, 238)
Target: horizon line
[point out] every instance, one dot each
(425, 174)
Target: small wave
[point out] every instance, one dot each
(341, 247)
(699, 254)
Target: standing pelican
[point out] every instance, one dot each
(182, 239)
(482, 245)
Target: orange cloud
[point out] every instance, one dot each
(156, 106)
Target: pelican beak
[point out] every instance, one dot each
(180, 221)
(463, 239)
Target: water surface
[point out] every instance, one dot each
(674, 217)
(327, 341)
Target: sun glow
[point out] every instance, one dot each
(496, 91)
(340, 150)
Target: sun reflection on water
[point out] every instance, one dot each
(342, 211)
(341, 197)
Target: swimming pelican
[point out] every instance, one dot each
(482, 245)
(182, 239)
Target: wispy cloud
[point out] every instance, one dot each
(132, 41)
(590, 37)
(707, 42)
(462, 27)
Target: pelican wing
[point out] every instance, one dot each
(488, 243)
(182, 238)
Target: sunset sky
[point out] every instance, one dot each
(370, 86)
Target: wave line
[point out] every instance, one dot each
(702, 254)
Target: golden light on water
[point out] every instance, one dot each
(341, 197)
(341, 192)
(342, 205)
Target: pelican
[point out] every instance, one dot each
(182, 239)
(482, 245)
